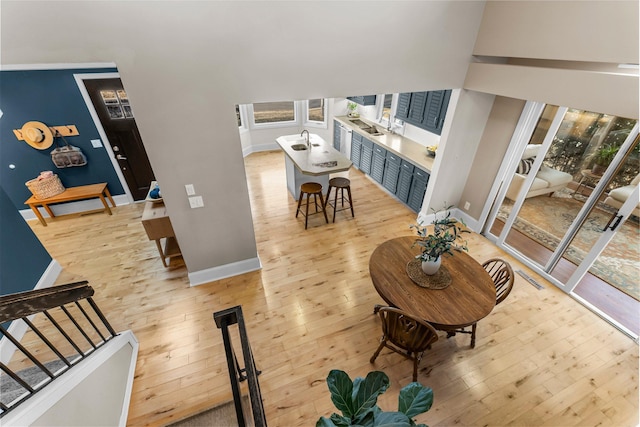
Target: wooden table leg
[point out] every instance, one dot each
(108, 194)
(104, 202)
(49, 211)
(38, 214)
(159, 245)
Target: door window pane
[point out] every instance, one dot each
(273, 112)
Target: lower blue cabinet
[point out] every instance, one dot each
(391, 172)
(418, 188)
(367, 156)
(400, 177)
(377, 163)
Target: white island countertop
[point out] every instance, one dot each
(319, 159)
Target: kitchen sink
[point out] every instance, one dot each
(372, 131)
(299, 147)
(359, 123)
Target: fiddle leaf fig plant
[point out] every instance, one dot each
(357, 401)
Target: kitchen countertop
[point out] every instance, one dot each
(316, 160)
(404, 147)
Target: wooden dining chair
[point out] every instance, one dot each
(406, 335)
(502, 275)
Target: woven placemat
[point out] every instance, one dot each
(440, 280)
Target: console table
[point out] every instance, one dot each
(158, 226)
(82, 192)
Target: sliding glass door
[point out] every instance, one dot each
(568, 177)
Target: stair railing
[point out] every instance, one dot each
(72, 328)
(224, 319)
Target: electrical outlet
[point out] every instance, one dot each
(196, 202)
(96, 143)
(467, 205)
(191, 191)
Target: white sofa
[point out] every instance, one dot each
(618, 196)
(547, 180)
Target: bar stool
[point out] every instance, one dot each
(340, 184)
(311, 189)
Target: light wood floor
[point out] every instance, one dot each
(541, 358)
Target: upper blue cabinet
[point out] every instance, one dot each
(363, 100)
(425, 110)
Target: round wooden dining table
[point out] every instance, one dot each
(470, 296)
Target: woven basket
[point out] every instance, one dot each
(45, 187)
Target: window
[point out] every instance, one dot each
(238, 116)
(273, 112)
(316, 110)
(386, 105)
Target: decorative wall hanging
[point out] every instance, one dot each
(117, 103)
(40, 136)
(37, 134)
(67, 155)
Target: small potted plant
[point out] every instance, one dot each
(445, 238)
(353, 109)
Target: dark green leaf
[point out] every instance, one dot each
(325, 422)
(367, 392)
(415, 399)
(340, 386)
(366, 418)
(392, 419)
(340, 421)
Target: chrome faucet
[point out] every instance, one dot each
(306, 138)
(389, 118)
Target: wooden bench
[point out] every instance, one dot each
(82, 192)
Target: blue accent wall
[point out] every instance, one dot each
(51, 97)
(23, 259)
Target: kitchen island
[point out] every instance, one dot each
(311, 162)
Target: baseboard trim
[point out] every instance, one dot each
(471, 223)
(222, 272)
(74, 207)
(260, 147)
(18, 328)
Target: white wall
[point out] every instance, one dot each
(593, 31)
(186, 64)
(560, 52)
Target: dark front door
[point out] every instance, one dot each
(112, 105)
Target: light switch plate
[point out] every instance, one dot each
(96, 143)
(191, 191)
(196, 202)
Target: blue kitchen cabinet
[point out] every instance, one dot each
(425, 110)
(436, 110)
(356, 149)
(418, 188)
(391, 172)
(377, 163)
(404, 103)
(367, 156)
(404, 181)
(336, 135)
(363, 100)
